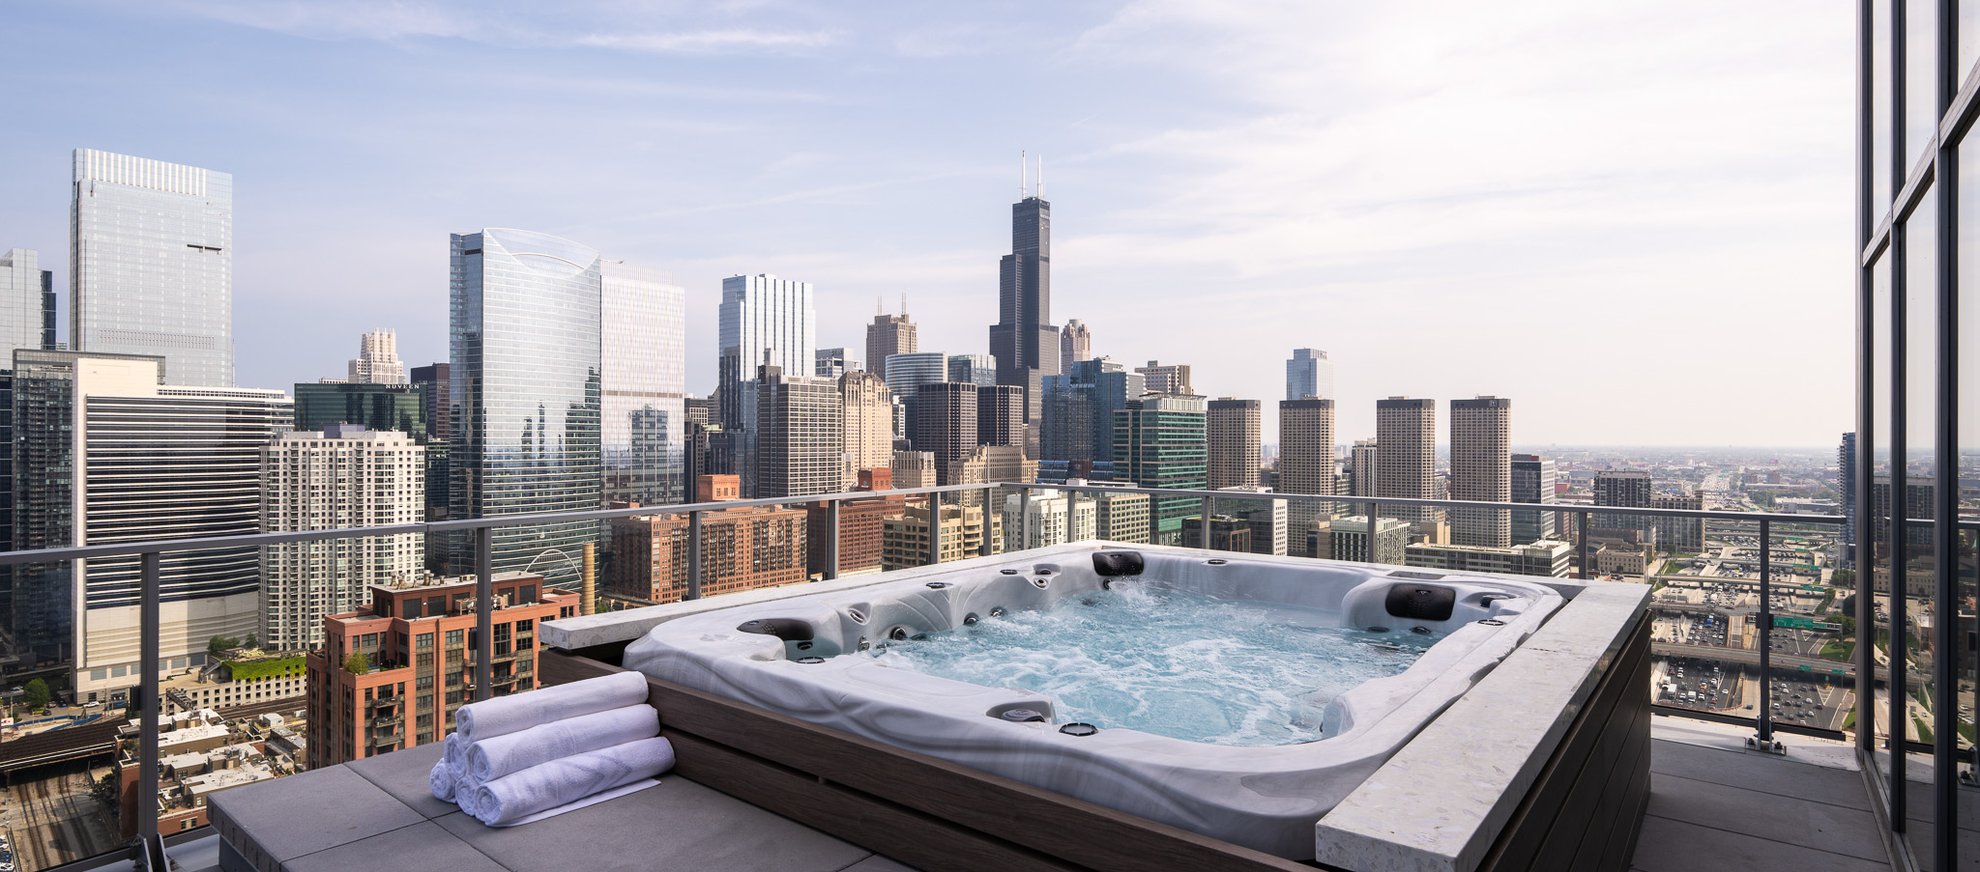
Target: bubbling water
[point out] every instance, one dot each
(1167, 662)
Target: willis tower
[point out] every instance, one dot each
(1024, 341)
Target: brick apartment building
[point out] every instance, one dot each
(862, 524)
(416, 663)
(741, 549)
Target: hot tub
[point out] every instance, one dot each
(870, 661)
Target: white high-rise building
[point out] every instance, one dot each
(1306, 464)
(642, 370)
(27, 302)
(1481, 469)
(1309, 374)
(345, 476)
(378, 361)
(151, 264)
(866, 411)
(1043, 518)
(1075, 344)
(763, 320)
(1406, 462)
(132, 485)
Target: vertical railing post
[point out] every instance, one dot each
(484, 613)
(151, 706)
(935, 528)
(1581, 543)
(1368, 541)
(1024, 518)
(1765, 722)
(985, 549)
(694, 555)
(1203, 524)
(831, 540)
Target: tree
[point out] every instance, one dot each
(1843, 578)
(357, 663)
(219, 645)
(252, 642)
(36, 694)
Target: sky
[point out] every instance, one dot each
(1631, 217)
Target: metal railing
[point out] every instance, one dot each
(149, 707)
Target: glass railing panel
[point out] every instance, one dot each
(59, 724)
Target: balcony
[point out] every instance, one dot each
(1717, 794)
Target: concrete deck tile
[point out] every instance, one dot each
(310, 812)
(421, 846)
(403, 775)
(677, 825)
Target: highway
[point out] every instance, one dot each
(1780, 662)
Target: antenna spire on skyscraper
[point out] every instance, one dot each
(1041, 177)
(1022, 169)
(904, 304)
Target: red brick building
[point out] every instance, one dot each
(391, 675)
(861, 525)
(741, 549)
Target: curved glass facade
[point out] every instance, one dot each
(526, 385)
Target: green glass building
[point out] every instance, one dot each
(1163, 441)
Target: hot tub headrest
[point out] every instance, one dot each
(1108, 564)
(787, 629)
(1421, 602)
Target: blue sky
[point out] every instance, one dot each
(1631, 217)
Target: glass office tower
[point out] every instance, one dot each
(151, 264)
(643, 367)
(27, 301)
(525, 381)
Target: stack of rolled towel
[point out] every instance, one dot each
(521, 758)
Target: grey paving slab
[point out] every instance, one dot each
(421, 846)
(1918, 804)
(403, 775)
(677, 825)
(309, 812)
(1819, 825)
(1668, 845)
(877, 863)
(1766, 773)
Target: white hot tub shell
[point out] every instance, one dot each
(781, 655)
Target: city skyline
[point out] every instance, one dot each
(1142, 211)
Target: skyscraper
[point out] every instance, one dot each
(866, 415)
(764, 319)
(908, 371)
(977, 369)
(1078, 413)
(999, 415)
(1846, 487)
(130, 485)
(799, 444)
(1481, 469)
(151, 264)
(436, 395)
(27, 301)
(525, 379)
(1533, 482)
(1160, 442)
(1621, 487)
(1361, 462)
(1236, 443)
(344, 476)
(889, 335)
(1306, 464)
(834, 362)
(400, 407)
(1075, 343)
(377, 362)
(1023, 340)
(1167, 378)
(1309, 374)
(1406, 465)
(942, 420)
(642, 384)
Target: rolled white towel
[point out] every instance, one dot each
(441, 781)
(540, 788)
(466, 790)
(518, 712)
(497, 756)
(453, 751)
